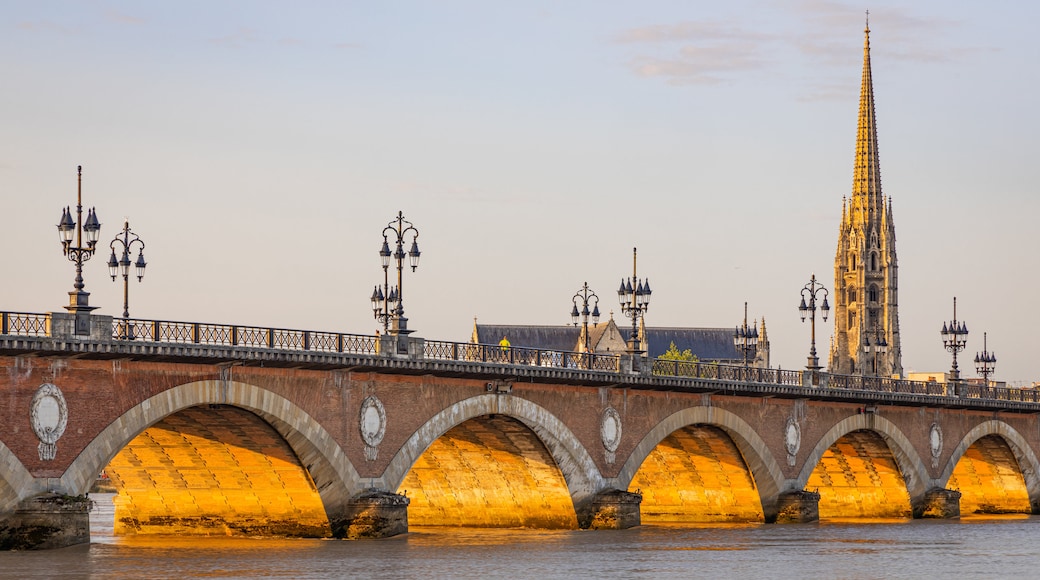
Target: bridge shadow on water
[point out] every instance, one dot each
(975, 547)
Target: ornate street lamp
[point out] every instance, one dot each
(585, 294)
(127, 239)
(745, 338)
(388, 301)
(634, 295)
(880, 345)
(812, 291)
(78, 254)
(985, 362)
(954, 337)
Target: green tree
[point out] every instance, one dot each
(673, 353)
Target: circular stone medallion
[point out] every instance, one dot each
(373, 421)
(48, 415)
(935, 440)
(610, 429)
(792, 437)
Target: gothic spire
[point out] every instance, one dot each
(866, 182)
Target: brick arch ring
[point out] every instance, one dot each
(1027, 460)
(334, 476)
(579, 470)
(769, 478)
(913, 470)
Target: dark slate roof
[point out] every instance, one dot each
(706, 343)
(564, 338)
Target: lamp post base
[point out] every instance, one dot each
(399, 325)
(79, 306)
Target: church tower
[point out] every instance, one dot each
(865, 281)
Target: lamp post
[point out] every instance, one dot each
(87, 232)
(880, 345)
(746, 338)
(985, 362)
(127, 239)
(388, 301)
(954, 337)
(634, 295)
(812, 291)
(585, 294)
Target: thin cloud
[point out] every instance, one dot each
(693, 52)
(46, 26)
(698, 64)
(842, 92)
(712, 52)
(122, 18)
(687, 31)
(905, 36)
(237, 39)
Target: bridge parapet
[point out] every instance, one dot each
(54, 334)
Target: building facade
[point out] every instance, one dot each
(707, 344)
(865, 266)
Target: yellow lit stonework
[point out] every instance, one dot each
(990, 480)
(866, 282)
(214, 471)
(697, 475)
(488, 472)
(858, 477)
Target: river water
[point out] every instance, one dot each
(1005, 547)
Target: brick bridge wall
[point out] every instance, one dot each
(325, 416)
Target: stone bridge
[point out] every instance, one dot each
(216, 429)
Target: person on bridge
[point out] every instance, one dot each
(504, 343)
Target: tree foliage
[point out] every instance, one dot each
(673, 353)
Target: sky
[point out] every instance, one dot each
(260, 148)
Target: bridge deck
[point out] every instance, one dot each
(41, 335)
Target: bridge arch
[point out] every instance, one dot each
(579, 470)
(334, 476)
(766, 471)
(16, 483)
(913, 470)
(1027, 460)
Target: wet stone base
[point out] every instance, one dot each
(940, 504)
(612, 510)
(373, 514)
(219, 526)
(45, 522)
(798, 507)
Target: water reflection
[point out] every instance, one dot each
(967, 548)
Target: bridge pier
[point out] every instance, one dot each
(612, 509)
(798, 507)
(938, 503)
(372, 514)
(46, 521)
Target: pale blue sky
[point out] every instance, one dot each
(259, 148)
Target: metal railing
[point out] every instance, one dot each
(244, 336)
(725, 372)
(162, 331)
(513, 355)
(25, 324)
